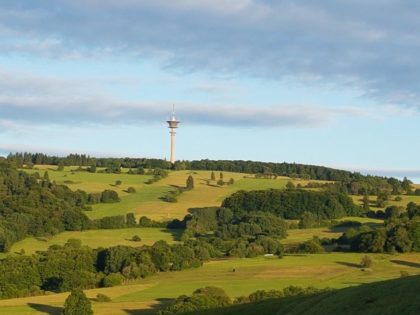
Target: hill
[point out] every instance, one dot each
(398, 296)
(333, 270)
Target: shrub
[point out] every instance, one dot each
(312, 246)
(77, 304)
(136, 238)
(102, 298)
(366, 262)
(118, 183)
(131, 190)
(109, 196)
(261, 295)
(112, 280)
(201, 299)
(190, 183)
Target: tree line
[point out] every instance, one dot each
(63, 268)
(399, 233)
(262, 169)
(213, 298)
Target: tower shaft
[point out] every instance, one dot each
(172, 132)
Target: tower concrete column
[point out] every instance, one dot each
(173, 146)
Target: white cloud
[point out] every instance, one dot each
(370, 45)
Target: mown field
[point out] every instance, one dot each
(146, 201)
(392, 202)
(106, 238)
(334, 270)
(98, 238)
(383, 297)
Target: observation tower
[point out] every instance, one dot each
(173, 124)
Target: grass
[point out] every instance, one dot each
(334, 270)
(98, 238)
(146, 201)
(106, 238)
(397, 296)
(300, 235)
(402, 203)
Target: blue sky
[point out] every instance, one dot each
(334, 83)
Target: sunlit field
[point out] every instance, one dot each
(334, 270)
(146, 201)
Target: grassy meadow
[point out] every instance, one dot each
(98, 238)
(333, 270)
(113, 237)
(146, 201)
(405, 199)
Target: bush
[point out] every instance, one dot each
(109, 196)
(131, 190)
(94, 198)
(113, 222)
(77, 304)
(201, 299)
(312, 246)
(118, 183)
(102, 298)
(112, 280)
(136, 238)
(170, 198)
(261, 295)
(366, 262)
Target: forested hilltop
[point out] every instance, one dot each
(353, 181)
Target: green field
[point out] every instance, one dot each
(334, 270)
(146, 201)
(106, 238)
(390, 297)
(402, 203)
(98, 238)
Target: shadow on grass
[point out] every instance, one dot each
(406, 263)
(348, 264)
(176, 233)
(41, 239)
(152, 310)
(46, 309)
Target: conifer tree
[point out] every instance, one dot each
(190, 182)
(213, 176)
(77, 304)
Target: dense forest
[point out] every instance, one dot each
(291, 204)
(30, 205)
(62, 268)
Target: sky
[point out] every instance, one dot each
(330, 82)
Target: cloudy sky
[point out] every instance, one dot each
(329, 82)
